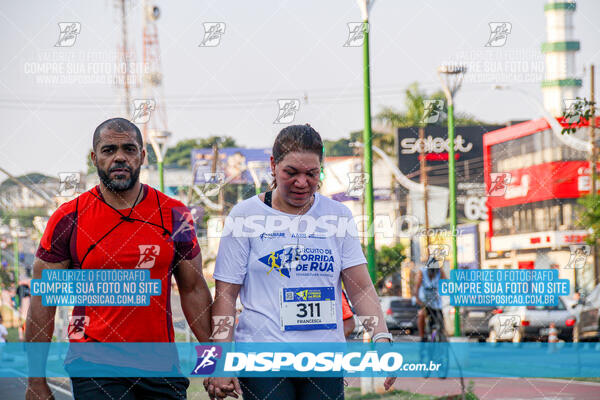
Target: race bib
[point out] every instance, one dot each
(307, 308)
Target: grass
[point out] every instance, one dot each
(583, 379)
(13, 335)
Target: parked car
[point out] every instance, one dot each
(523, 323)
(587, 326)
(399, 312)
(473, 320)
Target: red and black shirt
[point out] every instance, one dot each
(157, 234)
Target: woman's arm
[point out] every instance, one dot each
(223, 310)
(363, 297)
(223, 321)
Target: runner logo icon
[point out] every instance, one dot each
(148, 254)
(274, 262)
(207, 359)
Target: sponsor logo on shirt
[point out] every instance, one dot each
(148, 254)
(271, 235)
(273, 260)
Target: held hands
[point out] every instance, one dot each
(37, 388)
(219, 388)
(389, 381)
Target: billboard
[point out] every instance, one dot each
(468, 147)
(234, 165)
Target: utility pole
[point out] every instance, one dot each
(593, 160)
(125, 60)
(423, 164)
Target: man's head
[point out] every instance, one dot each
(118, 153)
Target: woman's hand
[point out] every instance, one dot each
(219, 388)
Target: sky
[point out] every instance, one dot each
(52, 98)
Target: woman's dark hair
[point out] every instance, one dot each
(297, 138)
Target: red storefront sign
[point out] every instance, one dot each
(554, 180)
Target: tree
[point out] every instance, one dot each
(180, 154)
(389, 261)
(414, 103)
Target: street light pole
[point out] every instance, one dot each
(367, 136)
(158, 140)
(14, 224)
(451, 78)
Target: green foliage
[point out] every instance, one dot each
(33, 178)
(589, 216)
(416, 113)
(180, 154)
(338, 148)
(581, 109)
(389, 261)
(24, 215)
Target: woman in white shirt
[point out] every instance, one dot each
(284, 252)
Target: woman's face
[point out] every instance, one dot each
(297, 176)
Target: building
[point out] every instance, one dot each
(533, 180)
(560, 83)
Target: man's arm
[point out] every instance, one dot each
(418, 285)
(39, 328)
(195, 296)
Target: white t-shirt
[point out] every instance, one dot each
(3, 332)
(266, 251)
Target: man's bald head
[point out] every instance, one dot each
(117, 125)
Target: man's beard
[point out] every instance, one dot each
(119, 185)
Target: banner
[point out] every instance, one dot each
(235, 165)
(303, 359)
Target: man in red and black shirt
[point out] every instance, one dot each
(122, 224)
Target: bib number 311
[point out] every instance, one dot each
(307, 308)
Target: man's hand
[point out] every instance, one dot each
(38, 389)
(219, 388)
(389, 382)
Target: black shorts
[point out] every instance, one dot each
(130, 388)
(292, 388)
